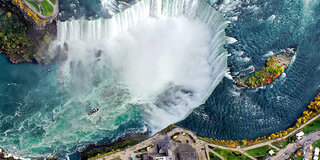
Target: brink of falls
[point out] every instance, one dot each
(150, 65)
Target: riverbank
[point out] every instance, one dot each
(98, 150)
(21, 39)
(144, 149)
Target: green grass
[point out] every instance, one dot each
(35, 5)
(313, 126)
(104, 151)
(46, 7)
(168, 129)
(316, 144)
(281, 144)
(213, 156)
(294, 156)
(53, 1)
(260, 151)
(231, 155)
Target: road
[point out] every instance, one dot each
(306, 142)
(201, 144)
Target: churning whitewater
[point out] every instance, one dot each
(166, 58)
(153, 63)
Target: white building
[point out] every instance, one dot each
(271, 152)
(300, 135)
(162, 158)
(316, 153)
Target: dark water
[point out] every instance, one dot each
(230, 112)
(235, 113)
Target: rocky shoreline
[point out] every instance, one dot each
(275, 66)
(120, 143)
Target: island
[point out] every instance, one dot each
(275, 66)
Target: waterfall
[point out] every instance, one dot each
(103, 30)
(148, 66)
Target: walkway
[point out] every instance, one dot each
(40, 15)
(201, 145)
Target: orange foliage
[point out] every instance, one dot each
(312, 111)
(29, 12)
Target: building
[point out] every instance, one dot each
(316, 153)
(300, 135)
(271, 152)
(162, 158)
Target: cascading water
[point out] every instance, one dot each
(188, 69)
(151, 64)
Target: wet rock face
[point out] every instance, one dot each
(63, 53)
(98, 54)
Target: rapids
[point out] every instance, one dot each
(148, 66)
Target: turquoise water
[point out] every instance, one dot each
(41, 108)
(34, 113)
(147, 67)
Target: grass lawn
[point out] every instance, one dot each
(46, 7)
(281, 144)
(316, 144)
(231, 155)
(34, 5)
(213, 156)
(260, 151)
(53, 1)
(295, 156)
(313, 126)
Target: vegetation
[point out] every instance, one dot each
(312, 111)
(116, 158)
(168, 129)
(46, 7)
(231, 155)
(266, 75)
(14, 40)
(316, 144)
(102, 151)
(213, 156)
(53, 1)
(314, 126)
(29, 12)
(282, 143)
(260, 152)
(105, 154)
(229, 143)
(145, 149)
(297, 155)
(34, 4)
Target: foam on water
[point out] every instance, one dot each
(151, 64)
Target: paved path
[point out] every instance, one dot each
(40, 15)
(281, 138)
(200, 144)
(271, 145)
(217, 154)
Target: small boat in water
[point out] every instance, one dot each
(93, 111)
